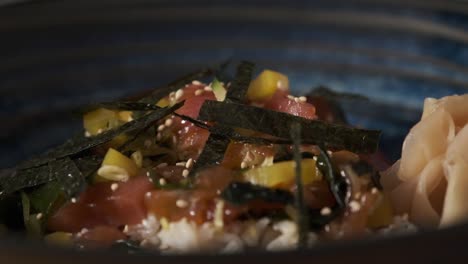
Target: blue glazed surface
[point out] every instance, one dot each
(59, 55)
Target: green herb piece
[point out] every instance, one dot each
(44, 197)
(244, 192)
(218, 90)
(275, 123)
(32, 223)
(240, 85)
(302, 218)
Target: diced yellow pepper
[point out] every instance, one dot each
(163, 102)
(382, 215)
(59, 239)
(116, 164)
(100, 120)
(265, 85)
(125, 116)
(282, 174)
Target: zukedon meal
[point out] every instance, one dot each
(223, 164)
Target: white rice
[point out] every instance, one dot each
(184, 236)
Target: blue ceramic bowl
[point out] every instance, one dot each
(57, 55)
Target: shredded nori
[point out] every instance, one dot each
(244, 192)
(36, 171)
(213, 152)
(331, 136)
(68, 175)
(240, 85)
(302, 218)
(83, 143)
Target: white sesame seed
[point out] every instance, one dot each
(189, 163)
(162, 182)
(39, 216)
(196, 82)
(374, 190)
(325, 211)
(168, 122)
(327, 228)
(181, 164)
(208, 89)
(296, 99)
(172, 94)
(291, 97)
(354, 206)
(343, 173)
(363, 199)
(99, 131)
(185, 173)
(125, 230)
(243, 165)
(162, 165)
(161, 128)
(181, 203)
(69, 175)
(73, 200)
(148, 195)
(198, 92)
(179, 94)
(302, 99)
(315, 158)
(87, 134)
(329, 153)
(114, 186)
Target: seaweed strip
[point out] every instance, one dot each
(14, 180)
(240, 85)
(244, 192)
(68, 175)
(277, 124)
(82, 143)
(88, 164)
(213, 152)
(302, 218)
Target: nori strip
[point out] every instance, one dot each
(213, 152)
(302, 218)
(277, 124)
(14, 180)
(68, 175)
(244, 192)
(88, 164)
(240, 85)
(82, 143)
(162, 92)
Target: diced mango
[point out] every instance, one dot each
(59, 239)
(100, 120)
(117, 166)
(125, 116)
(282, 174)
(265, 85)
(382, 215)
(164, 102)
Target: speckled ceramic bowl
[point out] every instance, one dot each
(57, 55)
